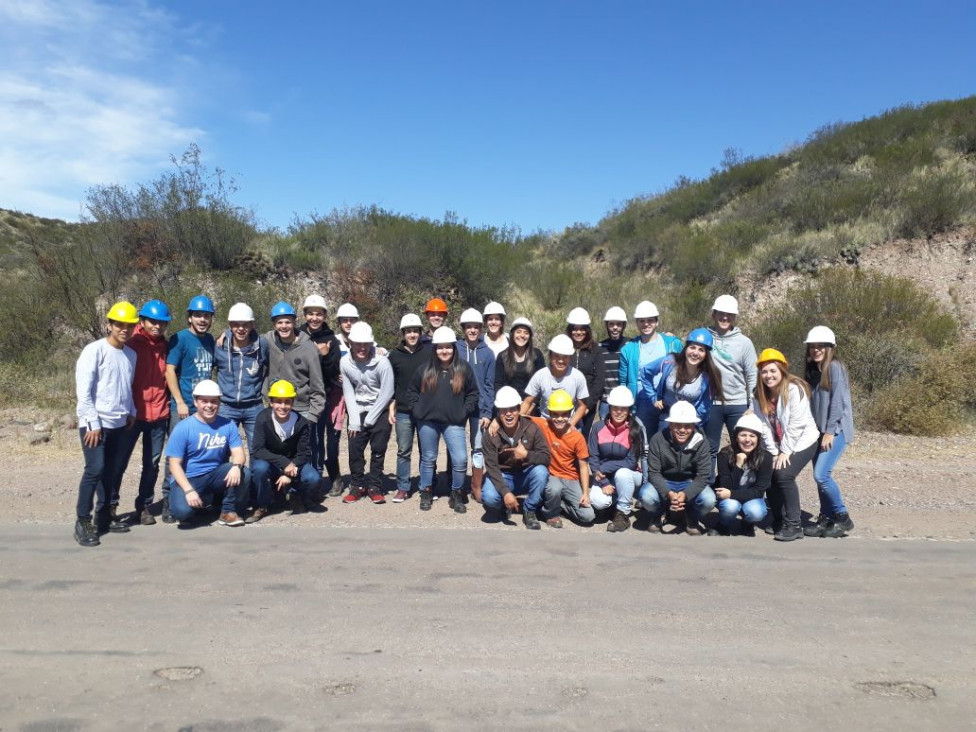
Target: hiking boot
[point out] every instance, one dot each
(747, 529)
(256, 515)
(619, 522)
(554, 523)
(146, 518)
(788, 533)
(426, 499)
(839, 526)
(337, 487)
(296, 506)
(400, 496)
(773, 527)
(230, 518)
(353, 495)
(376, 496)
(456, 501)
(692, 527)
(530, 520)
(107, 523)
(819, 527)
(85, 533)
(167, 516)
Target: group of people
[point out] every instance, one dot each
(590, 428)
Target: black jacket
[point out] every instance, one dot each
(730, 475)
(269, 447)
(590, 363)
(405, 365)
(667, 461)
(442, 404)
(520, 379)
(329, 362)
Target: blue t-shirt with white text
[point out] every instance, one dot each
(203, 447)
(193, 357)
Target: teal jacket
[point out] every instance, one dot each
(630, 361)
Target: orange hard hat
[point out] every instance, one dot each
(436, 305)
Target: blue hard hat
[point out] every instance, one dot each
(282, 308)
(702, 337)
(201, 304)
(156, 310)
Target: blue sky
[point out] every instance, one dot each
(534, 114)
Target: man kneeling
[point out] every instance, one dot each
(282, 453)
(198, 450)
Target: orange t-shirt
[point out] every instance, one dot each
(564, 450)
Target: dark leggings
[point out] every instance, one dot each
(784, 494)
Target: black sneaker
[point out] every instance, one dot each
(747, 529)
(619, 522)
(819, 527)
(167, 517)
(719, 530)
(788, 533)
(426, 500)
(456, 501)
(839, 526)
(530, 520)
(85, 533)
(109, 523)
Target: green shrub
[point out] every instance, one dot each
(934, 204)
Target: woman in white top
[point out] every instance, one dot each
(790, 434)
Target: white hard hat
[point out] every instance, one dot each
(616, 314)
(821, 334)
(578, 316)
(443, 335)
(521, 323)
(361, 332)
(494, 308)
(620, 396)
(726, 304)
(206, 388)
(347, 310)
(410, 321)
(315, 301)
(749, 422)
(506, 398)
(683, 413)
(470, 316)
(646, 309)
(562, 344)
(240, 313)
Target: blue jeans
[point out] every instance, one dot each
(243, 416)
(653, 503)
(406, 429)
(104, 467)
(752, 511)
(648, 414)
(831, 502)
(530, 482)
(626, 483)
(209, 487)
(264, 474)
(719, 415)
(325, 445)
(153, 436)
(430, 434)
(474, 426)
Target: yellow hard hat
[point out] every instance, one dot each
(771, 354)
(123, 312)
(282, 390)
(560, 401)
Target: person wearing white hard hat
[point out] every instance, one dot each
(745, 470)
(346, 315)
(406, 360)
(618, 459)
(481, 360)
(443, 395)
(615, 323)
(558, 375)
(679, 467)
(198, 452)
(735, 356)
(328, 428)
(495, 337)
(830, 404)
(241, 366)
(294, 358)
(516, 462)
(367, 385)
(515, 365)
(588, 359)
(643, 355)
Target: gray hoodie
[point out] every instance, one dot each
(367, 387)
(299, 364)
(735, 357)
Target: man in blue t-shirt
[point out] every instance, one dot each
(189, 361)
(197, 454)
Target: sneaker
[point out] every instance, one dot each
(819, 527)
(230, 519)
(337, 487)
(773, 528)
(377, 497)
(111, 524)
(353, 495)
(85, 533)
(719, 530)
(256, 515)
(619, 522)
(788, 533)
(839, 526)
(296, 506)
(555, 522)
(426, 500)
(167, 516)
(456, 501)
(747, 529)
(692, 527)
(146, 518)
(400, 496)
(530, 520)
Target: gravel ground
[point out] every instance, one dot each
(895, 487)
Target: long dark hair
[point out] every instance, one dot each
(588, 344)
(683, 375)
(457, 369)
(509, 363)
(821, 374)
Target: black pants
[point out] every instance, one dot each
(377, 437)
(784, 494)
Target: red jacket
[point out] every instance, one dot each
(149, 390)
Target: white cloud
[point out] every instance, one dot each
(89, 95)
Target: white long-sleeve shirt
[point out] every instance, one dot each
(103, 383)
(799, 429)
